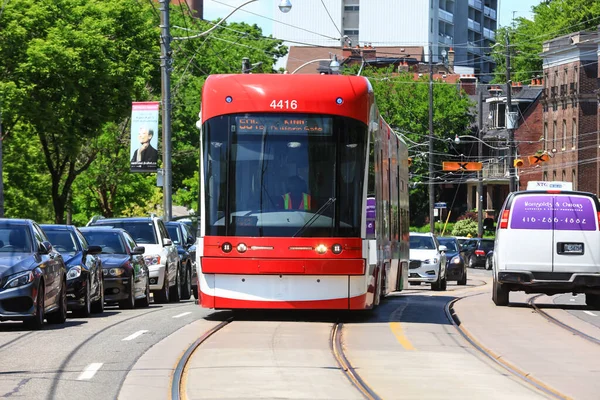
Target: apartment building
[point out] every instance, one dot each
(466, 26)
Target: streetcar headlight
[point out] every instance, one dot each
(74, 272)
(242, 247)
(321, 249)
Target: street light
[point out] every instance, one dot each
(457, 141)
(285, 6)
(334, 65)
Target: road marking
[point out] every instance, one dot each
(590, 313)
(89, 372)
(396, 328)
(134, 335)
(182, 314)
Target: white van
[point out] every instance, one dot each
(548, 241)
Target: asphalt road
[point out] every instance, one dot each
(87, 357)
(575, 305)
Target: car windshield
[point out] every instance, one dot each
(110, 242)
(62, 241)
(174, 234)
(486, 245)
(15, 239)
(422, 243)
(449, 243)
(141, 231)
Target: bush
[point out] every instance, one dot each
(468, 215)
(465, 227)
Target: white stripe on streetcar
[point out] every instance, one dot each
(182, 314)
(572, 299)
(590, 313)
(134, 335)
(89, 372)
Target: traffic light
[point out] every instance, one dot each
(519, 163)
(409, 161)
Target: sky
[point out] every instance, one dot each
(214, 9)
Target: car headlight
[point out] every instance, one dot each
(20, 279)
(74, 272)
(152, 259)
(431, 261)
(114, 271)
(456, 260)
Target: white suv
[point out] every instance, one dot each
(161, 254)
(427, 261)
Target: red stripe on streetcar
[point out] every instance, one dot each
(353, 303)
(240, 266)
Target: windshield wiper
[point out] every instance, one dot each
(315, 216)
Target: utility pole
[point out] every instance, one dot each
(479, 173)
(509, 123)
(431, 188)
(245, 65)
(165, 65)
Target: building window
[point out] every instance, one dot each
(575, 75)
(554, 135)
(553, 176)
(574, 134)
(353, 7)
(545, 175)
(545, 136)
(564, 179)
(349, 32)
(564, 136)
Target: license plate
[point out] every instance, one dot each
(572, 248)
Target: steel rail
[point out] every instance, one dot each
(335, 344)
(498, 359)
(177, 382)
(555, 321)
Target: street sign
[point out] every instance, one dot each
(439, 205)
(461, 166)
(549, 185)
(538, 159)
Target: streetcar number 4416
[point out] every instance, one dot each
(284, 104)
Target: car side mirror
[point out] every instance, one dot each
(191, 241)
(138, 250)
(443, 248)
(94, 250)
(45, 247)
(167, 242)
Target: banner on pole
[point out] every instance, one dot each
(144, 136)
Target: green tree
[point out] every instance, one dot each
(73, 66)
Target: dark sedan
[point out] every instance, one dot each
(126, 280)
(33, 276)
(182, 237)
(475, 251)
(85, 291)
(456, 268)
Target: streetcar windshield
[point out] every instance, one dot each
(269, 174)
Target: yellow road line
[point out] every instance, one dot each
(396, 328)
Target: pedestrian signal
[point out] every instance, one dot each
(519, 162)
(538, 159)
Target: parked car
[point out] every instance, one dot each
(489, 260)
(427, 261)
(475, 251)
(456, 267)
(462, 240)
(33, 276)
(126, 275)
(181, 236)
(85, 289)
(160, 253)
(547, 242)
(191, 222)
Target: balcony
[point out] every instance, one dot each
(489, 34)
(489, 12)
(476, 4)
(473, 48)
(495, 170)
(446, 39)
(446, 16)
(474, 26)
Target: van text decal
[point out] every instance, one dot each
(559, 212)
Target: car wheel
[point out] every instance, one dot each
(500, 294)
(195, 290)
(463, 279)
(37, 321)
(145, 301)
(162, 296)
(186, 291)
(488, 263)
(472, 262)
(60, 316)
(175, 295)
(592, 300)
(443, 284)
(436, 285)
(98, 305)
(86, 310)
(129, 302)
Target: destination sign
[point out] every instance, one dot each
(291, 125)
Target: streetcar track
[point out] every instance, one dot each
(498, 359)
(336, 346)
(178, 381)
(560, 324)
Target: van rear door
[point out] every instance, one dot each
(576, 245)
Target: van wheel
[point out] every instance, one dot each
(593, 300)
(500, 294)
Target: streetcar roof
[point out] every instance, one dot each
(348, 96)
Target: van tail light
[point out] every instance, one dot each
(479, 253)
(504, 219)
(598, 213)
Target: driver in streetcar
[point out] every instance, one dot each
(296, 196)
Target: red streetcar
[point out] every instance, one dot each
(304, 194)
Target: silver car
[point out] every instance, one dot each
(427, 261)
